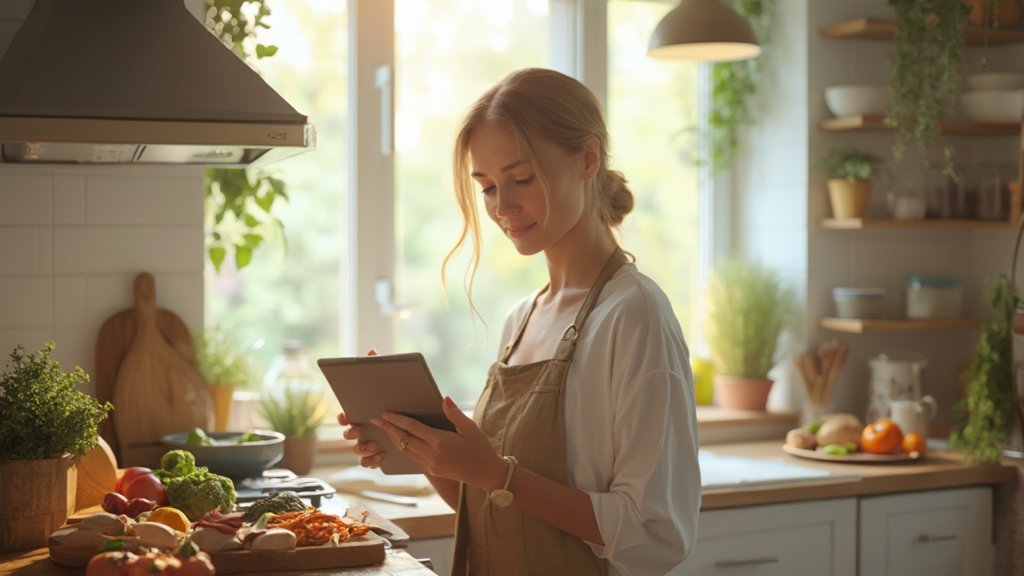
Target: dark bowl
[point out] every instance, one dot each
(233, 460)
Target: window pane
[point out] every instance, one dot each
(652, 116)
(293, 289)
(447, 53)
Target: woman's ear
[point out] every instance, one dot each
(591, 158)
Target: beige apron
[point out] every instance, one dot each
(522, 412)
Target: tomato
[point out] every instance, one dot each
(110, 564)
(198, 565)
(154, 564)
(146, 486)
(914, 442)
(882, 436)
(130, 473)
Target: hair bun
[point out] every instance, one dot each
(618, 198)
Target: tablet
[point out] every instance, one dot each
(368, 386)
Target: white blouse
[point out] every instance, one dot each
(631, 426)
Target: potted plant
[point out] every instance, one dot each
(295, 410)
(748, 307)
(225, 366)
(849, 184)
(45, 425)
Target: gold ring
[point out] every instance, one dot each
(404, 441)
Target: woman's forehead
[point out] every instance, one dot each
(495, 145)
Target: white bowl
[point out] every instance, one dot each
(854, 100)
(994, 105)
(996, 81)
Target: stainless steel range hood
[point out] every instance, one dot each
(136, 81)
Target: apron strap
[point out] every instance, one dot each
(568, 342)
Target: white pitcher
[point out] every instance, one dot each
(913, 415)
(894, 376)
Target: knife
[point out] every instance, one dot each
(386, 497)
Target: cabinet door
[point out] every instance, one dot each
(807, 538)
(942, 532)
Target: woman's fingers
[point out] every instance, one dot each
(343, 419)
(368, 448)
(405, 423)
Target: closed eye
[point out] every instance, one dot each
(524, 181)
(488, 190)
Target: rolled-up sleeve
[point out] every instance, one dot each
(648, 516)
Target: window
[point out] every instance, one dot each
(352, 192)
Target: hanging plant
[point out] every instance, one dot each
(734, 85)
(239, 201)
(924, 72)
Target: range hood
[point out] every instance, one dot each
(136, 81)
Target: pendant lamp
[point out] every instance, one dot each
(703, 31)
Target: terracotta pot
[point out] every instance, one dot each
(1007, 13)
(222, 397)
(742, 393)
(36, 498)
(299, 453)
(849, 199)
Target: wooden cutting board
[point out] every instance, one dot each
(359, 551)
(157, 391)
(112, 344)
(97, 475)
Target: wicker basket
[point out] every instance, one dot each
(36, 497)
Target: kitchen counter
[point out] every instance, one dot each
(432, 518)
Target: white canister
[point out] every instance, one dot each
(934, 297)
(912, 416)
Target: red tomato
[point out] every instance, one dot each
(130, 473)
(110, 564)
(882, 436)
(153, 564)
(198, 565)
(146, 486)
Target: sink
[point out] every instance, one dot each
(719, 471)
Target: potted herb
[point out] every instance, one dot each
(748, 308)
(225, 366)
(986, 416)
(849, 184)
(294, 403)
(924, 76)
(45, 425)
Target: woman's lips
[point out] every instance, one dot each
(518, 230)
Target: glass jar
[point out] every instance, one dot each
(934, 297)
(908, 202)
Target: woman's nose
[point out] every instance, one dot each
(505, 202)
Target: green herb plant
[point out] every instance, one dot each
(852, 165)
(734, 85)
(749, 306)
(985, 416)
(42, 414)
(924, 72)
(239, 202)
(295, 411)
(222, 362)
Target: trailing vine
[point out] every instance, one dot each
(239, 201)
(734, 85)
(924, 72)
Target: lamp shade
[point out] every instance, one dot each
(703, 31)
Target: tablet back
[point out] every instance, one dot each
(367, 386)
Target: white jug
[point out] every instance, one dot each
(913, 415)
(894, 376)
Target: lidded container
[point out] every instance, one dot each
(860, 302)
(934, 296)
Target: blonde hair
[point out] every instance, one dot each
(535, 103)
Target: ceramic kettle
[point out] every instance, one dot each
(894, 376)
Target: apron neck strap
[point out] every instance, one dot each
(568, 342)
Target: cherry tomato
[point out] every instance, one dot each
(198, 565)
(130, 473)
(114, 503)
(146, 486)
(882, 436)
(110, 564)
(914, 442)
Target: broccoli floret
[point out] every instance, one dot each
(178, 462)
(201, 492)
(199, 437)
(276, 503)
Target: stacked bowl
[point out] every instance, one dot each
(994, 97)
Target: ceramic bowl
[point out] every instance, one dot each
(228, 458)
(996, 81)
(854, 100)
(993, 105)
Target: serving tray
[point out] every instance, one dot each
(855, 458)
(361, 550)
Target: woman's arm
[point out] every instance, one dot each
(447, 488)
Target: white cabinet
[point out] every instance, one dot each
(944, 532)
(816, 538)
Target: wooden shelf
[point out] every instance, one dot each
(863, 326)
(936, 224)
(882, 29)
(873, 122)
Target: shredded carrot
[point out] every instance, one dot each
(313, 527)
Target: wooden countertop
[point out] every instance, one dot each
(432, 518)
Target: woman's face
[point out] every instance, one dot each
(512, 190)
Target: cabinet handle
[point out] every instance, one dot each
(925, 538)
(750, 562)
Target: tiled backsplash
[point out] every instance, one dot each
(72, 240)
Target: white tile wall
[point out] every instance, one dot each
(72, 240)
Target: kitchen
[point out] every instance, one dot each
(76, 236)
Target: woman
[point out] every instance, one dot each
(582, 458)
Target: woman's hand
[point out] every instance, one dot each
(465, 455)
